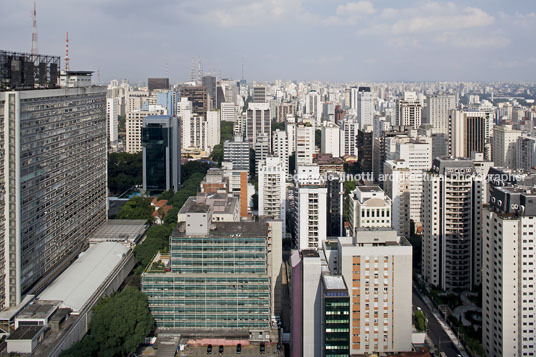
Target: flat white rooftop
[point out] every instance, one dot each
(80, 281)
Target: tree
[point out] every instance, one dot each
(124, 171)
(226, 131)
(278, 125)
(119, 324)
(157, 238)
(136, 208)
(217, 154)
(420, 321)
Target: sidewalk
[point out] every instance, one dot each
(443, 323)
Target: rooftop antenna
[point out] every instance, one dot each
(242, 68)
(66, 52)
(200, 71)
(35, 49)
(192, 71)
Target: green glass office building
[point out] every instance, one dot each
(336, 316)
(214, 278)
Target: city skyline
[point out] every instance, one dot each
(296, 40)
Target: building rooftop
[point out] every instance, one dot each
(75, 286)
(39, 310)
(193, 206)
(227, 229)
(370, 188)
(26, 332)
(333, 282)
(120, 230)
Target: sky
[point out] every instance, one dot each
(327, 40)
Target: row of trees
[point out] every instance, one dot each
(124, 171)
(119, 324)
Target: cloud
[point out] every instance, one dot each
(323, 60)
(435, 17)
(474, 41)
(350, 13)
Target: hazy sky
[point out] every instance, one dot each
(384, 40)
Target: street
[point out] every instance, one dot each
(435, 331)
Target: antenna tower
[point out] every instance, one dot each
(35, 49)
(67, 51)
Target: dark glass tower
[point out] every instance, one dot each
(336, 316)
(161, 153)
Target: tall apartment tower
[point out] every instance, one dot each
(409, 110)
(330, 140)
(369, 208)
(134, 123)
(305, 144)
(504, 146)
(349, 130)
(52, 174)
(437, 111)
(471, 132)
(262, 149)
(160, 138)
(397, 185)
(237, 152)
(310, 208)
(417, 152)
(259, 94)
(509, 242)
(258, 120)
(378, 264)
(453, 194)
(365, 140)
(228, 112)
(112, 120)
(272, 189)
(280, 148)
(526, 152)
(365, 107)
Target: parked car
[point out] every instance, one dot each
(238, 348)
(220, 350)
(262, 348)
(209, 349)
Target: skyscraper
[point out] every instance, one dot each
(504, 146)
(509, 241)
(272, 189)
(471, 132)
(408, 110)
(379, 265)
(437, 111)
(330, 139)
(365, 107)
(53, 178)
(160, 138)
(237, 152)
(453, 194)
(258, 121)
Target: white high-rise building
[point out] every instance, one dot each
(330, 141)
(228, 112)
(471, 132)
(133, 125)
(504, 146)
(397, 185)
(310, 208)
(349, 131)
(262, 149)
(199, 132)
(508, 274)
(417, 152)
(378, 264)
(526, 152)
(369, 208)
(291, 134)
(313, 106)
(258, 120)
(454, 192)
(365, 107)
(272, 189)
(305, 144)
(437, 110)
(213, 128)
(112, 120)
(280, 147)
(408, 110)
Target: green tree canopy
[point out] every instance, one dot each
(136, 208)
(124, 171)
